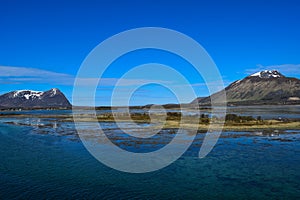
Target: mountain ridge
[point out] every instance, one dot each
(27, 99)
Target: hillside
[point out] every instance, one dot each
(265, 87)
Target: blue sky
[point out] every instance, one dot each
(43, 43)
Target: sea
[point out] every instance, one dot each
(43, 158)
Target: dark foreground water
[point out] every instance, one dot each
(52, 163)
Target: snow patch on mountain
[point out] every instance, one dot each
(267, 74)
(28, 94)
(53, 92)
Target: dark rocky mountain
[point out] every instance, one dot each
(28, 99)
(264, 87)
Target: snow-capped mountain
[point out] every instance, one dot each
(264, 87)
(53, 98)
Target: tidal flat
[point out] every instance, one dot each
(166, 121)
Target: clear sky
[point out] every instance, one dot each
(43, 43)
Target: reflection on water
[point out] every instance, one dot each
(44, 158)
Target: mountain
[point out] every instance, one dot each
(264, 87)
(28, 99)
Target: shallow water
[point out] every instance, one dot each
(44, 158)
(268, 111)
(265, 111)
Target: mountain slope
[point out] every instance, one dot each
(265, 87)
(53, 98)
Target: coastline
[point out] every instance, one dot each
(171, 122)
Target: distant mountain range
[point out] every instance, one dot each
(29, 99)
(264, 87)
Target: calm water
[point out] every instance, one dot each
(50, 162)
